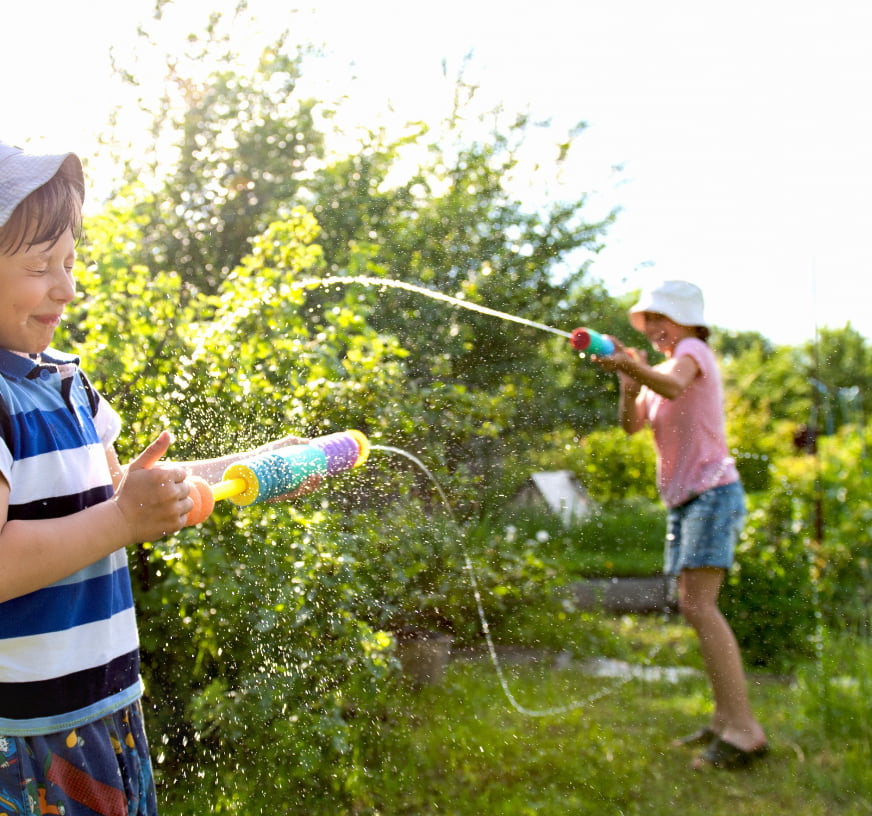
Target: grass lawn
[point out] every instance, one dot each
(469, 752)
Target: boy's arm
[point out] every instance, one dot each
(150, 502)
(212, 470)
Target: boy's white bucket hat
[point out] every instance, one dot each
(680, 301)
(21, 173)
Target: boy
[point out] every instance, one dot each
(71, 733)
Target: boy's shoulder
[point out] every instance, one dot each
(17, 370)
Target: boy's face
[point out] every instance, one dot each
(36, 284)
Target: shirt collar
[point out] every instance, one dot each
(16, 364)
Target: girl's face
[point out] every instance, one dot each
(663, 333)
(36, 284)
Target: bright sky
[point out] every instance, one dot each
(742, 129)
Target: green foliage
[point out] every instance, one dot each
(834, 695)
(419, 570)
(621, 538)
(769, 596)
(248, 625)
(269, 669)
(263, 610)
(804, 558)
(837, 506)
(615, 466)
(243, 144)
(431, 208)
(450, 225)
(842, 372)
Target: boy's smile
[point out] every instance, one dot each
(36, 284)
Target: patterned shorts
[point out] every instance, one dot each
(100, 768)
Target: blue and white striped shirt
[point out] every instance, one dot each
(69, 653)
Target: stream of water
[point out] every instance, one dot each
(344, 280)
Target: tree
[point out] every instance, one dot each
(232, 148)
(248, 151)
(840, 375)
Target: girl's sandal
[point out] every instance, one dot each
(728, 757)
(701, 737)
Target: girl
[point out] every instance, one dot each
(681, 399)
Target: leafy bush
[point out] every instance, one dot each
(253, 634)
(611, 465)
(420, 569)
(768, 597)
(615, 466)
(262, 629)
(251, 647)
(803, 559)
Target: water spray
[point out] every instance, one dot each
(430, 293)
(582, 339)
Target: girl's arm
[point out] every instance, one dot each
(670, 379)
(630, 414)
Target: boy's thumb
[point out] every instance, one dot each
(153, 453)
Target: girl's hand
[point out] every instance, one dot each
(623, 360)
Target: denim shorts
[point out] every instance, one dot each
(703, 532)
(99, 768)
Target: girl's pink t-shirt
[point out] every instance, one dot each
(689, 432)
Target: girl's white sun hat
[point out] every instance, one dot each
(680, 301)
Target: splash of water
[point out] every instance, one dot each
(344, 280)
(485, 626)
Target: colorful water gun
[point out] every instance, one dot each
(277, 472)
(592, 342)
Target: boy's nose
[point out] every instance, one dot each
(64, 288)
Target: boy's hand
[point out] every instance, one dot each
(153, 498)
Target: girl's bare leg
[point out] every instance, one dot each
(732, 719)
